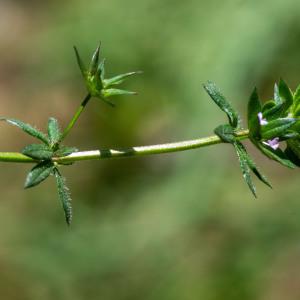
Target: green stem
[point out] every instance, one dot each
(76, 116)
(126, 152)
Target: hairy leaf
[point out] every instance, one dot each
(95, 61)
(293, 151)
(38, 174)
(225, 133)
(116, 92)
(277, 155)
(268, 105)
(38, 151)
(297, 98)
(54, 132)
(297, 112)
(222, 102)
(277, 97)
(119, 78)
(289, 135)
(101, 69)
(276, 128)
(64, 195)
(254, 108)
(81, 65)
(294, 145)
(285, 94)
(273, 112)
(252, 165)
(245, 167)
(28, 129)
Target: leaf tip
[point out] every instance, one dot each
(69, 221)
(27, 185)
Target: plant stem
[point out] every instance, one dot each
(76, 116)
(126, 152)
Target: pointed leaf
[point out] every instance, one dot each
(294, 146)
(119, 79)
(277, 97)
(253, 166)
(28, 129)
(268, 105)
(116, 92)
(297, 112)
(296, 126)
(292, 154)
(222, 102)
(285, 94)
(38, 174)
(81, 65)
(276, 128)
(107, 102)
(225, 133)
(245, 167)
(38, 151)
(297, 98)
(273, 112)
(254, 108)
(54, 132)
(289, 135)
(257, 173)
(65, 151)
(101, 69)
(64, 195)
(277, 155)
(95, 61)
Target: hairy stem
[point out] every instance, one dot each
(126, 152)
(76, 116)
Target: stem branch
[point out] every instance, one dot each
(126, 152)
(76, 116)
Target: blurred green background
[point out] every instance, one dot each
(174, 226)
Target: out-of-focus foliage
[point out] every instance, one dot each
(178, 226)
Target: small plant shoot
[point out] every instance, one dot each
(273, 127)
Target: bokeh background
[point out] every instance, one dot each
(174, 226)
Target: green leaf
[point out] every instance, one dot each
(222, 102)
(285, 94)
(101, 69)
(289, 135)
(297, 112)
(293, 151)
(38, 174)
(38, 151)
(245, 167)
(253, 167)
(65, 151)
(81, 65)
(225, 133)
(297, 98)
(276, 128)
(54, 132)
(294, 145)
(64, 195)
(277, 97)
(116, 92)
(268, 105)
(274, 112)
(254, 108)
(118, 79)
(95, 61)
(277, 155)
(28, 129)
